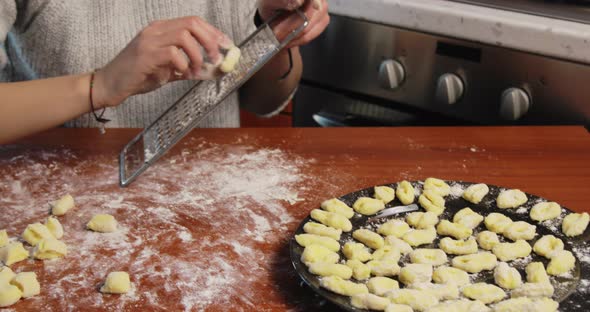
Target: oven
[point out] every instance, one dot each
(360, 73)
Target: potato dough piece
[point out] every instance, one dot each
(520, 230)
(27, 283)
(405, 192)
(6, 275)
(422, 220)
(62, 205)
(369, 238)
(475, 263)
(332, 219)
(449, 275)
(420, 237)
(343, 287)
(329, 269)
(103, 223)
(384, 193)
(561, 262)
(13, 253)
(487, 240)
(50, 248)
(535, 273)
(394, 227)
(438, 186)
(416, 299)
(399, 244)
(3, 238)
(356, 251)
(458, 247)
(9, 295)
(34, 233)
(458, 231)
(231, 59)
(415, 273)
(360, 271)
(318, 253)
(468, 218)
(54, 227)
(545, 211)
(460, 305)
(433, 257)
(384, 267)
(514, 305)
(512, 251)
(475, 193)
(533, 290)
(431, 201)
(497, 222)
(486, 293)
(387, 252)
(369, 301)
(394, 307)
(311, 239)
(575, 224)
(507, 277)
(511, 199)
(547, 245)
(545, 305)
(322, 230)
(440, 291)
(337, 206)
(368, 206)
(116, 283)
(380, 285)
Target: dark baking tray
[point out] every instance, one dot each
(567, 290)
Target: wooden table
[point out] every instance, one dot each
(208, 227)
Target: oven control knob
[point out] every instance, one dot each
(391, 74)
(515, 104)
(449, 89)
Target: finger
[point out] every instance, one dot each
(311, 33)
(286, 26)
(172, 57)
(185, 41)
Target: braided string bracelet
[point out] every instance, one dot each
(98, 117)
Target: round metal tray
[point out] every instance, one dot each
(565, 287)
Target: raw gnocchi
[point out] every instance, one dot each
(6, 275)
(387, 252)
(520, 230)
(512, 251)
(468, 218)
(450, 275)
(381, 285)
(384, 193)
(440, 291)
(360, 271)
(9, 295)
(13, 253)
(322, 230)
(561, 262)
(526, 304)
(329, 269)
(433, 202)
(415, 273)
(506, 276)
(3, 238)
(35, 232)
(103, 223)
(318, 253)
(458, 231)
(50, 248)
(27, 283)
(420, 237)
(343, 287)
(487, 240)
(511, 199)
(547, 245)
(416, 299)
(369, 301)
(394, 227)
(438, 186)
(458, 247)
(54, 227)
(116, 283)
(545, 211)
(368, 206)
(460, 305)
(422, 220)
(383, 267)
(405, 192)
(62, 205)
(486, 293)
(332, 219)
(394, 307)
(356, 251)
(575, 224)
(337, 206)
(312, 239)
(475, 193)
(369, 238)
(434, 257)
(231, 60)
(533, 290)
(399, 244)
(497, 222)
(475, 263)
(535, 273)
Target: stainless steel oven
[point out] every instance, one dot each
(362, 73)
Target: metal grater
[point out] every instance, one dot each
(177, 121)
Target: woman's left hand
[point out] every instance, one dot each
(315, 10)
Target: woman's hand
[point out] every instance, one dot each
(164, 51)
(315, 10)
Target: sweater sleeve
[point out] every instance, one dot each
(7, 20)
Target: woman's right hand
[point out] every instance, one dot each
(156, 56)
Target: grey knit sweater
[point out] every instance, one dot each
(47, 38)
